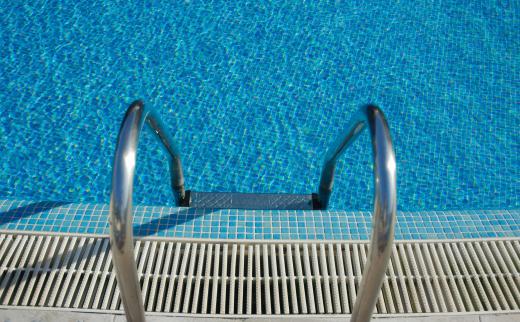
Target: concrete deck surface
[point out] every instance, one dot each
(42, 315)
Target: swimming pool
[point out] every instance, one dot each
(255, 92)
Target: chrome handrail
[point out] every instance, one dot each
(121, 237)
(385, 200)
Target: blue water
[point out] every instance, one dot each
(255, 92)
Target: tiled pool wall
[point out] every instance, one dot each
(63, 217)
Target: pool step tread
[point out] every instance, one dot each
(237, 200)
(200, 277)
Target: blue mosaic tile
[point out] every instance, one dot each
(255, 224)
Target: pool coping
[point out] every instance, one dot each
(242, 224)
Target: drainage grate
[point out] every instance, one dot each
(211, 277)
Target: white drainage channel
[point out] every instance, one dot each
(250, 278)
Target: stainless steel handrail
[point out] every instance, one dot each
(121, 237)
(385, 200)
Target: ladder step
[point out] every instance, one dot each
(236, 200)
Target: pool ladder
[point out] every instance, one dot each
(383, 218)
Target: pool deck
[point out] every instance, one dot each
(46, 243)
(42, 315)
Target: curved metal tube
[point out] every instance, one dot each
(121, 237)
(383, 219)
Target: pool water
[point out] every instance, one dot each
(254, 92)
